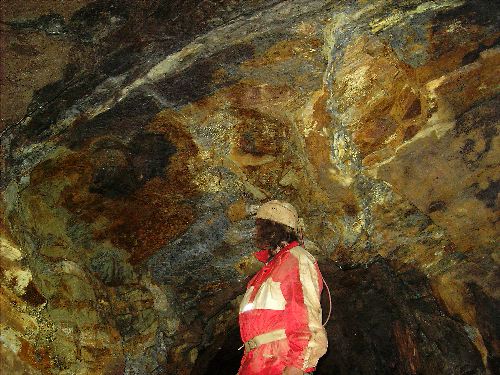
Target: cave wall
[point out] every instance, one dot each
(134, 159)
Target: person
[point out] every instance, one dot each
(280, 313)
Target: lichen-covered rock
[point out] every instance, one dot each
(128, 192)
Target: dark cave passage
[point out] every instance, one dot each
(222, 356)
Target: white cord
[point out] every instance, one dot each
(329, 300)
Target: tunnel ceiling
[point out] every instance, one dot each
(138, 137)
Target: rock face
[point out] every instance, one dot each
(138, 138)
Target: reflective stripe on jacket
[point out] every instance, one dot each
(284, 294)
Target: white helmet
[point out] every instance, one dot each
(279, 212)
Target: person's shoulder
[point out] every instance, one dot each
(302, 254)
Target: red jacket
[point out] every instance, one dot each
(284, 295)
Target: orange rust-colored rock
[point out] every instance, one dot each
(378, 97)
(285, 50)
(237, 211)
(149, 218)
(406, 347)
(318, 145)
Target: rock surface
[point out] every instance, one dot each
(138, 138)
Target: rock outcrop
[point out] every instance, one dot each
(139, 137)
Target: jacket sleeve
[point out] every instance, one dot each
(302, 289)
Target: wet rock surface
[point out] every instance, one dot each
(138, 138)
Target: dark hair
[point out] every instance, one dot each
(273, 234)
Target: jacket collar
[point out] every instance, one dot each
(264, 255)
